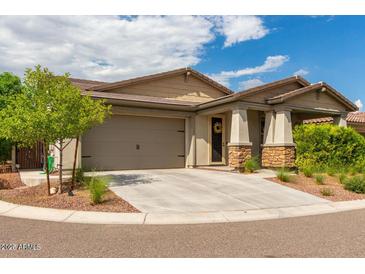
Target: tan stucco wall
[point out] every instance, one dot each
(201, 133)
(315, 100)
(177, 87)
(262, 96)
(68, 155)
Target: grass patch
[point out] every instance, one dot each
(308, 172)
(326, 192)
(342, 178)
(319, 179)
(251, 165)
(355, 184)
(283, 175)
(97, 187)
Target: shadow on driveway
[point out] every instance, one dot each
(129, 179)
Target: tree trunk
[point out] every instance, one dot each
(74, 163)
(60, 170)
(45, 154)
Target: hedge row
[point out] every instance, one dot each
(327, 145)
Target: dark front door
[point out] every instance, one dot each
(217, 138)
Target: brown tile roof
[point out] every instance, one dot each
(352, 118)
(85, 84)
(285, 96)
(356, 117)
(204, 78)
(138, 98)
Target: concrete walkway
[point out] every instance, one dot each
(90, 217)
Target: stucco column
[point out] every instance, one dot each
(278, 148)
(340, 120)
(283, 128)
(269, 129)
(191, 141)
(239, 146)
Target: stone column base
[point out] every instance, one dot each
(238, 154)
(278, 156)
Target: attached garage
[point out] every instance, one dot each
(135, 142)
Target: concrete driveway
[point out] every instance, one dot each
(196, 190)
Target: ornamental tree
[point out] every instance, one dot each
(10, 85)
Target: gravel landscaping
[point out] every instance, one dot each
(37, 196)
(10, 180)
(331, 183)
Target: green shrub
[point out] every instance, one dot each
(283, 175)
(251, 165)
(342, 178)
(326, 192)
(319, 179)
(5, 150)
(355, 184)
(308, 171)
(329, 146)
(79, 175)
(331, 171)
(97, 187)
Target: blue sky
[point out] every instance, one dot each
(238, 51)
(330, 49)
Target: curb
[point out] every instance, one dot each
(95, 217)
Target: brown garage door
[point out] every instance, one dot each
(134, 142)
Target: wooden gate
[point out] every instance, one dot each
(30, 158)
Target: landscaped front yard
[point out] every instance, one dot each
(13, 191)
(330, 189)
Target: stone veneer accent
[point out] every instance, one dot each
(278, 156)
(238, 154)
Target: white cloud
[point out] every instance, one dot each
(240, 28)
(251, 83)
(359, 104)
(112, 48)
(301, 72)
(271, 64)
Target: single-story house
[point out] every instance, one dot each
(182, 118)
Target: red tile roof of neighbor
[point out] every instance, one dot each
(352, 118)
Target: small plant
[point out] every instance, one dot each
(319, 179)
(331, 171)
(283, 175)
(342, 178)
(79, 176)
(251, 165)
(326, 192)
(352, 171)
(308, 171)
(355, 184)
(97, 187)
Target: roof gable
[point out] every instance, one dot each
(181, 85)
(182, 71)
(319, 88)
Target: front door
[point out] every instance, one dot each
(217, 140)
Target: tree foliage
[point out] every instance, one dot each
(329, 146)
(10, 85)
(51, 109)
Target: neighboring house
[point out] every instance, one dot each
(182, 118)
(353, 119)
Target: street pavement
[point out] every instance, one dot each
(329, 235)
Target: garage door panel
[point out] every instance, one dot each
(113, 145)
